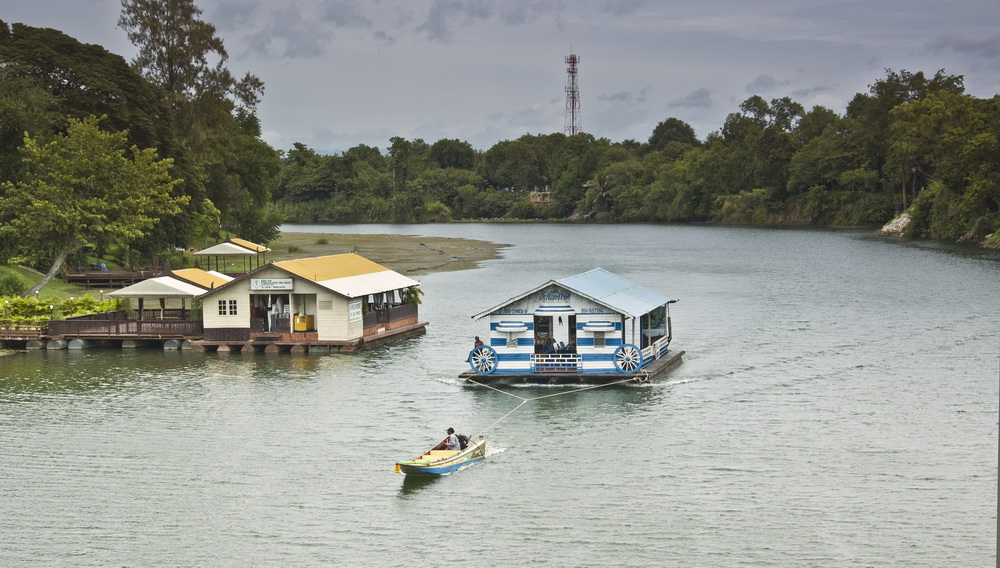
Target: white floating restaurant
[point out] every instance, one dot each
(594, 327)
(335, 302)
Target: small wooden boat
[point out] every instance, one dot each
(443, 462)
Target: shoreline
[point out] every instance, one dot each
(406, 254)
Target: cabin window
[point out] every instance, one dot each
(227, 307)
(599, 339)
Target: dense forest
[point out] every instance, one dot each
(125, 160)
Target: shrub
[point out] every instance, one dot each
(12, 285)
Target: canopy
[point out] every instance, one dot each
(231, 249)
(159, 287)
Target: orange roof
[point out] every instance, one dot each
(321, 268)
(247, 244)
(205, 279)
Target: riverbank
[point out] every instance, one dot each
(406, 254)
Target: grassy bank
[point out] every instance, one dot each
(406, 254)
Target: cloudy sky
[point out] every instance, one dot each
(339, 73)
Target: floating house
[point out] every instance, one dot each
(336, 302)
(161, 310)
(593, 327)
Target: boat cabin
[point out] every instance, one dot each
(592, 323)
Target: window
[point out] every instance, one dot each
(227, 307)
(598, 339)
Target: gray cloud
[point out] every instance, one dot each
(623, 96)
(819, 89)
(700, 98)
(437, 27)
(622, 7)
(985, 46)
(764, 84)
(344, 14)
(288, 34)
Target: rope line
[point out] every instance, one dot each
(524, 401)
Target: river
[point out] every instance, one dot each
(837, 406)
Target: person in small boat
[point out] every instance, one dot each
(449, 443)
(478, 342)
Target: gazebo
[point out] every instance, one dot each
(256, 254)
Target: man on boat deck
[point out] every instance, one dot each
(478, 342)
(451, 442)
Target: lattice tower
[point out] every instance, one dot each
(572, 97)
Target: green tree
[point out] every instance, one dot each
(86, 80)
(671, 130)
(84, 188)
(453, 154)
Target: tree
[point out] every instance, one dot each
(671, 130)
(174, 51)
(84, 188)
(448, 153)
(86, 79)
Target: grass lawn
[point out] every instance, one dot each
(55, 290)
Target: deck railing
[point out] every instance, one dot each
(125, 328)
(556, 363)
(389, 315)
(656, 350)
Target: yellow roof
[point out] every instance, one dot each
(321, 268)
(203, 278)
(248, 244)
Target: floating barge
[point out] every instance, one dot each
(592, 328)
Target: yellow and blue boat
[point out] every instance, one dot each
(443, 462)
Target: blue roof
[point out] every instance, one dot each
(605, 288)
(614, 291)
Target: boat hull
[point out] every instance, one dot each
(442, 462)
(648, 374)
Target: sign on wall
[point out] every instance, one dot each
(354, 311)
(271, 284)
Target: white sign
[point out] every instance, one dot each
(354, 311)
(270, 283)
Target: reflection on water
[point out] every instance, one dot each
(415, 483)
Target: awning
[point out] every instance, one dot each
(159, 287)
(554, 310)
(511, 327)
(598, 326)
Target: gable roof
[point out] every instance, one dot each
(184, 283)
(233, 247)
(349, 274)
(159, 287)
(604, 288)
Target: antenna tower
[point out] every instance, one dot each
(572, 97)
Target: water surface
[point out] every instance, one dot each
(837, 407)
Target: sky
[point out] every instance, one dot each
(339, 73)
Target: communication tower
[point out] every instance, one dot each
(572, 97)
